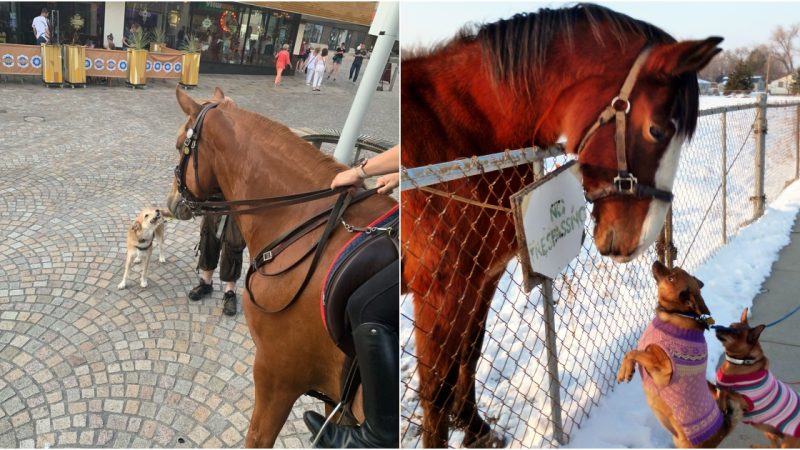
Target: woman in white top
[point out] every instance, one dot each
(311, 62)
(319, 69)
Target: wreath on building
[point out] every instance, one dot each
(228, 21)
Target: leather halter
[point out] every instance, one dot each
(625, 183)
(329, 216)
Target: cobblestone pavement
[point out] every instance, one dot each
(81, 363)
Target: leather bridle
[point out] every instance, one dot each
(624, 183)
(330, 216)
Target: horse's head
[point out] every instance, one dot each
(629, 145)
(199, 138)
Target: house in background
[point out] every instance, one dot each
(781, 86)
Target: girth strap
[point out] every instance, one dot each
(332, 216)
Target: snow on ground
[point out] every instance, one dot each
(732, 278)
(714, 101)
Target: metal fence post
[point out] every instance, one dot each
(797, 142)
(552, 361)
(760, 163)
(724, 177)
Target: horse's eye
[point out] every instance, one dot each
(146, 216)
(671, 279)
(657, 133)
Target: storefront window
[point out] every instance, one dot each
(172, 18)
(9, 24)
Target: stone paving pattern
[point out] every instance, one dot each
(83, 364)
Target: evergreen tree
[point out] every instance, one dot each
(740, 78)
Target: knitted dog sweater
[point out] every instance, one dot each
(687, 393)
(771, 401)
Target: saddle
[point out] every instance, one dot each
(366, 254)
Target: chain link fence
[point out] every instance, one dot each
(548, 356)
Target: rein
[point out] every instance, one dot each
(331, 215)
(624, 183)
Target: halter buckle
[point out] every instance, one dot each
(618, 104)
(266, 257)
(626, 183)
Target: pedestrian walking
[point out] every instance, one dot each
(309, 66)
(361, 52)
(41, 27)
(301, 57)
(282, 60)
(337, 61)
(319, 69)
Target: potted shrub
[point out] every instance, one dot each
(190, 70)
(157, 41)
(137, 59)
(76, 55)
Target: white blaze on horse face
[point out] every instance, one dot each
(664, 179)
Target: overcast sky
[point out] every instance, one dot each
(741, 24)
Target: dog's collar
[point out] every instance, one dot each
(742, 362)
(145, 248)
(703, 319)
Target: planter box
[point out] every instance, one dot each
(190, 72)
(52, 71)
(137, 67)
(76, 58)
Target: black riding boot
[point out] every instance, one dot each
(376, 348)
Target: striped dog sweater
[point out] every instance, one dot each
(687, 393)
(771, 401)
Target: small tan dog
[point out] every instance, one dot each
(147, 229)
(672, 355)
(773, 406)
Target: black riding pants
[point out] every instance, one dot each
(377, 300)
(225, 250)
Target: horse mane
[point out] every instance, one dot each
(258, 123)
(515, 48)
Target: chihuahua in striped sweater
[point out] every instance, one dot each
(772, 406)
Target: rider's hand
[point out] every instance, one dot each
(387, 183)
(348, 177)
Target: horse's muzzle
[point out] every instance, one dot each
(177, 207)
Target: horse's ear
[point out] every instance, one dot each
(218, 95)
(187, 104)
(743, 318)
(682, 57)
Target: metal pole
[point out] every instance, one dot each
(552, 361)
(797, 142)
(760, 163)
(388, 15)
(669, 248)
(724, 177)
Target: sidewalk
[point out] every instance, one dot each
(781, 343)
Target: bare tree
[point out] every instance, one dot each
(783, 45)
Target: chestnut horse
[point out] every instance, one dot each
(531, 80)
(246, 156)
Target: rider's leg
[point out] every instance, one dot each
(373, 311)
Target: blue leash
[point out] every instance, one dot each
(797, 308)
(786, 316)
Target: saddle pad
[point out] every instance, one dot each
(361, 258)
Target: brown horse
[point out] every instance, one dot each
(530, 80)
(246, 156)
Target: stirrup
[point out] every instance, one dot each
(325, 424)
